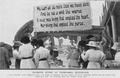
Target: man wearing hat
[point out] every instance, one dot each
(93, 55)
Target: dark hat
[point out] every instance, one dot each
(82, 43)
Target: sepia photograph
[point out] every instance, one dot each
(67, 35)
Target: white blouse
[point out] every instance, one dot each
(26, 50)
(93, 55)
(41, 53)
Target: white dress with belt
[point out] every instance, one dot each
(41, 57)
(26, 56)
(94, 57)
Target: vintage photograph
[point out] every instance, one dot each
(59, 34)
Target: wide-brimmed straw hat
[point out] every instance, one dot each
(116, 46)
(92, 44)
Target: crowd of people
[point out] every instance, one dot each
(26, 54)
(89, 54)
(32, 54)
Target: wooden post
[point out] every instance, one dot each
(114, 28)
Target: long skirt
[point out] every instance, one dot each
(94, 65)
(43, 64)
(27, 63)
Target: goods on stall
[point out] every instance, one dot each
(111, 64)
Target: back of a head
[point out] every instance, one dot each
(34, 42)
(25, 39)
(40, 42)
(82, 43)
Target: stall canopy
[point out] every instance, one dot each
(27, 28)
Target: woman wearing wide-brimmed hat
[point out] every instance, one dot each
(93, 55)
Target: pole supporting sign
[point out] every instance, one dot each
(62, 17)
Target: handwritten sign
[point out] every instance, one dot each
(62, 17)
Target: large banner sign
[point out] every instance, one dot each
(62, 17)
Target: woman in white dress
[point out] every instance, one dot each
(42, 56)
(26, 53)
(93, 55)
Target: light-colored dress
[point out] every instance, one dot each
(95, 57)
(73, 62)
(26, 50)
(41, 53)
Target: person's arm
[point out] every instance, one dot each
(36, 59)
(85, 56)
